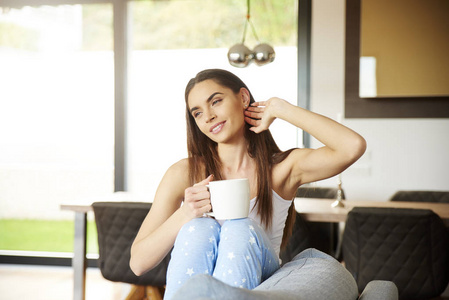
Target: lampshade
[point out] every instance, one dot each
(264, 54)
(240, 56)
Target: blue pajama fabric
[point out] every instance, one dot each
(238, 253)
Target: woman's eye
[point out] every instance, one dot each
(197, 114)
(216, 101)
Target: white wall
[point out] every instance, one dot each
(402, 154)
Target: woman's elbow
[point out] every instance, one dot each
(135, 264)
(358, 148)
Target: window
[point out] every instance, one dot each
(56, 117)
(174, 40)
(57, 96)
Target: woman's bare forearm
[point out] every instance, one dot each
(342, 146)
(150, 250)
(166, 217)
(329, 132)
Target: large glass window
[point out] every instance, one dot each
(172, 41)
(56, 119)
(57, 99)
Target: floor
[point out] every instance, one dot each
(55, 283)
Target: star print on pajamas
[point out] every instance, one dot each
(238, 253)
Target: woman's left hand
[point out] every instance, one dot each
(261, 114)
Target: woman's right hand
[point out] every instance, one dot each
(197, 199)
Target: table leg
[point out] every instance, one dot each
(79, 261)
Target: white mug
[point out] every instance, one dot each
(230, 199)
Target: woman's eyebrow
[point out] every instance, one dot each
(208, 100)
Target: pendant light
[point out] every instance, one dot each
(241, 56)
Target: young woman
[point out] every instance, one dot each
(227, 138)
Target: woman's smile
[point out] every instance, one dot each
(217, 127)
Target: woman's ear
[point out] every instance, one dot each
(245, 97)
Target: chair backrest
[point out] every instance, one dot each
(319, 192)
(407, 246)
(421, 196)
(117, 226)
(311, 235)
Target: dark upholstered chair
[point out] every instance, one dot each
(407, 246)
(318, 235)
(117, 226)
(421, 196)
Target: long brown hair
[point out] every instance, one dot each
(203, 155)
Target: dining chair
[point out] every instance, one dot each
(407, 246)
(320, 235)
(421, 196)
(117, 226)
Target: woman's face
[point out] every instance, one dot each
(218, 112)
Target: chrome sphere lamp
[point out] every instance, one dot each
(241, 56)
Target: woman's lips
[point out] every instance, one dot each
(217, 127)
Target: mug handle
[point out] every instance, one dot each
(211, 213)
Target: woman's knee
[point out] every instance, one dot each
(239, 230)
(236, 224)
(201, 228)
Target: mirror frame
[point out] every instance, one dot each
(397, 107)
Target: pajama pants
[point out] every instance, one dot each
(238, 253)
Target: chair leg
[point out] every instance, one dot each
(148, 292)
(137, 293)
(154, 293)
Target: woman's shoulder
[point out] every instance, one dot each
(175, 179)
(181, 165)
(179, 168)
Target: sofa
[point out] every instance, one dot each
(311, 275)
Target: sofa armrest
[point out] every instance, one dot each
(380, 290)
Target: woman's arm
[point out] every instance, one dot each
(342, 146)
(166, 217)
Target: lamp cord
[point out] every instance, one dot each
(248, 20)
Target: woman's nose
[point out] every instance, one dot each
(210, 116)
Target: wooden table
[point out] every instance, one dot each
(321, 210)
(311, 209)
(79, 261)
